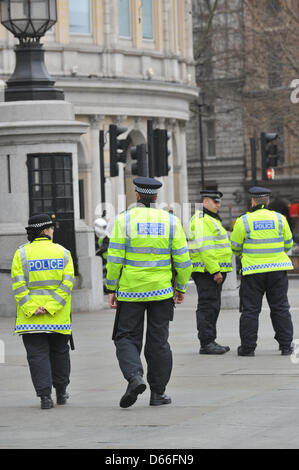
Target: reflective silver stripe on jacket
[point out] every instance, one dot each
(44, 283)
(148, 250)
(215, 224)
(206, 239)
(66, 257)
(24, 299)
(280, 223)
(263, 250)
(19, 290)
(263, 240)
(112, 283)
(50, 292)
(246, 225)
(210, 247)
(18, 279)
(67, 277)
(148, 264)
(183, 265)
(24, 263)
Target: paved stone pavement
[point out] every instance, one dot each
(219, 402)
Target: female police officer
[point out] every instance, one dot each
(42, 279)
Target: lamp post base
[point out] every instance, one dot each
(23, 94)
(31, 80)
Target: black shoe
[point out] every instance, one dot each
(136, 387)
(46, 403)
(286, 350)
(61, 398)
(212, 348)
(158, 399)
(227, 348)
(245, 352)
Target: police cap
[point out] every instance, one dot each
(257, 191)
(40, 221)
(212, 193)
(147, 185)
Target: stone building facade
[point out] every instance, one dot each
(245, 66)
(125, 62)
(216, 131)
(119, 62)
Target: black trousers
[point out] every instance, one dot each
(128, 336)
(208, 307)
(253, 287)
(49, 361)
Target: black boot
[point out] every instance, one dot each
(286, 350)
(245, 352)
(46, 402)
(227, 348)
(136, 387)
(61, 396)
(212, 348)
(159, 399)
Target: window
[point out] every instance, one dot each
(124, 15)
(147, 19)
(124, 18)
(273, 7)
(79, 11)
(274, 68)
(51, 191)
(210, 138)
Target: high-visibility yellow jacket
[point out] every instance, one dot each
(143, 244)
(262, 238)
(209, 244)
(43, 276)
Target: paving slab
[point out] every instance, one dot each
(219, 402)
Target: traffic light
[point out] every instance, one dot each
(118, 148)
(269, 153)
(161, 152)
(139, 167)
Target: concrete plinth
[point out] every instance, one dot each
(40, 127)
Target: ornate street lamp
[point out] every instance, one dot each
(29, 20)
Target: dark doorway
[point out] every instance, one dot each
(51, 191)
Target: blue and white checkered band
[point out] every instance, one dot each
(42, 224)
(146, 190)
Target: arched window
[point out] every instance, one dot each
(124, 15)
(147, 19)
(79, 16)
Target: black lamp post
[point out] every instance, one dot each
(29, 20)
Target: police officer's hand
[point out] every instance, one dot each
(112, 301)
(218, 278)
(40, 311)
(178, 297)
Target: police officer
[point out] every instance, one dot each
(42, 279)
(142, 246)
(262, 237)
(211, 257)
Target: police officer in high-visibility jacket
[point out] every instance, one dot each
(211, 257)
(143, 244)
(42, 280)
(262, 237)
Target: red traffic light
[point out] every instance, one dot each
(270, 173)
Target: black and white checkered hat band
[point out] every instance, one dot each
(42, 224)
(212, 196)
(146, 190)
